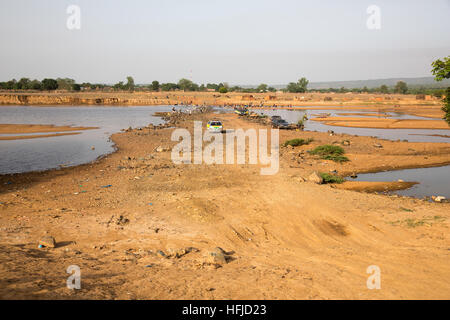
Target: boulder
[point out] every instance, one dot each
(47, 241)
(438, 198)
(316, 178)
(217, 256)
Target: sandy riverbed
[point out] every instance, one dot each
(285, 238)
(383, 123)
(37, 128)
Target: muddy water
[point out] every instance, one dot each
(413, 135)
(47, 153)
(433, 181)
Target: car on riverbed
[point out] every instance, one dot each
(214, 126)
(242, 111)
(279, 123)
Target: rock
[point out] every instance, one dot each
(122, 221)
(161, 254)
(400, 180)
(316, 178)
(354, 175)
(217, 256)
(47, 241)
(345, 142)
(159, 149)
(377, 145)
(181, 252)
(438, 198)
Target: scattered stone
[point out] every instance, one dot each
(316, 178)
(161, 254)
(47, 241)
(377, 145)
(345, 142)
(159, 149)
(122, 221)
(182, 252)
(438, 198)
(217, 256)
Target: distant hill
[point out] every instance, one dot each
(375, 83)
(411, 82)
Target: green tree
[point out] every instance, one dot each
(169, 86)
(76, 87)
(185, 84)
(223, 89)
(212, 86)
(401, 87)
(49, 84)
(384, 89)
(35, 85)
(303, 84)
(299, 87)
(441, 71)
(23, 84)
(130, 83)
(65, 83)
(262, 87)
(155, 86)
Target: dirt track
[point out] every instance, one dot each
(286, 238)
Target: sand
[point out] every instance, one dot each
(366, 122)
(37, 128)
(286, 238)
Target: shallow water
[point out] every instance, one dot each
(413, 135)
(433, 181)
(47, 153)
(53, 152)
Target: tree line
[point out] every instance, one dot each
(301, 86)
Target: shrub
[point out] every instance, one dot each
(297, 142)
(329, 178)
(330, 152)
(223, 90)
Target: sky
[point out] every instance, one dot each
(240, 42)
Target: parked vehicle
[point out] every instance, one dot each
(215, 126)
(241, 111)
(279, 123)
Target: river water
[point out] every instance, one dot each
(70, 150)
(47, 153)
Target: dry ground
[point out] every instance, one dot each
(286, 238)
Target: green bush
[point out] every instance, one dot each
(329, 178)
(330, 152)
(297, 142)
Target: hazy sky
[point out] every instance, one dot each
(240, 42)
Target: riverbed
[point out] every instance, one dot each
(38, 154)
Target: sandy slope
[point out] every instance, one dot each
(383, 123)
(287, 239)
